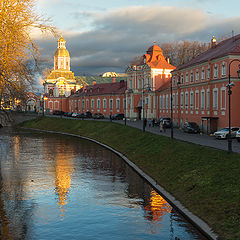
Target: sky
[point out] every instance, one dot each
(105, 35)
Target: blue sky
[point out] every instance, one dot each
(104, 35)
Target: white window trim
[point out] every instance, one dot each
(203, 105)
(197, 91)
(223, 89)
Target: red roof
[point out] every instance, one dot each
(102, 89)
(226, 47)
(155, 59)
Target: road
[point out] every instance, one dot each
(200, 139)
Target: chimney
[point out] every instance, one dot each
(114, 80)
(213, 42)
(94, 83)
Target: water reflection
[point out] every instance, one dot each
(61, 186)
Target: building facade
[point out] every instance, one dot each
(61, 82)
(105, 98)
(200, 92)
(143, 80)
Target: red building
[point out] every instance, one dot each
(143, 81)
(200, 92)
(105, 98)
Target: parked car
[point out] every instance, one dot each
(166, 121)
(223, 133)
(98, 116)
(88, 114)
(118, 116)
(191, 127)
(238, 135)
(81, 115)
(58, 112)
(75, 115)
(68, 114)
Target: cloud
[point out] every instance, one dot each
(116, 36)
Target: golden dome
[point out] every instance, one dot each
(61, 52)
(61, 39)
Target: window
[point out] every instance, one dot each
(208, 99)
(174, 81)
(215, 98)
(191, 99)
(118, 103)
(111, 103)
(173, 99)
(223, 98)
(181, 100)
(163, 101)
(87, 104)
(191, 77)
(177, 99)
(98, 103)
(208, 72)
(166, 101)
(50, 92)
(197, 99)
(186, 99)
(182, 79)
(202, 99)
(92, 103)
(125, 103)
(83, 104)
(186, 78)
(146, 100)
(160, 102)
(223, 69)
(203, 74)
(215, 71)
(197, 75)
(104, 103)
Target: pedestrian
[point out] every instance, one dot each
(160, 126)
(145, 123)
(164, 126)
(149, 122)
(153, 122)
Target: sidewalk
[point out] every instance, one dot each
(204, 140)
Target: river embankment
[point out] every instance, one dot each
(203, 179)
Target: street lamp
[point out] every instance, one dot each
(229, 86)
(148, 88)
(171, 89)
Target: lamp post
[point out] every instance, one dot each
(229, 86)
(171, 89)
(143, 102)
(171, 110)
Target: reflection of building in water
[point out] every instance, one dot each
(63, 171)
(157, 207)
(62, 156)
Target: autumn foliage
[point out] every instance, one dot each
(18, 52)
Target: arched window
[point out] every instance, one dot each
(50, 92)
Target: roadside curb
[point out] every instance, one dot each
(196, 221)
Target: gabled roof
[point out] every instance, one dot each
(226, 47)
(102, 89)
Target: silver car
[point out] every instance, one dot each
(223, 133)
(238, 135)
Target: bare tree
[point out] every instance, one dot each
(18, 52)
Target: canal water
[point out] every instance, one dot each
(60, 187)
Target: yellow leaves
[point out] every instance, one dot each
(17, 49)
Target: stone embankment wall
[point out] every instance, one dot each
(8, 118)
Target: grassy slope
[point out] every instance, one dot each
(205, 180)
